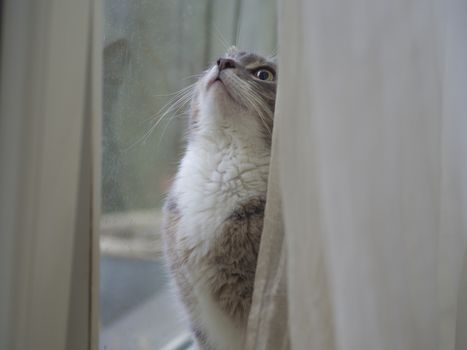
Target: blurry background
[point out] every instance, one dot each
(152, 49)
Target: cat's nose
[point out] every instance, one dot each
(224, 63)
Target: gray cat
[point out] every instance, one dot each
(213, 216)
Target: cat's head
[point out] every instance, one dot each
(237, 92)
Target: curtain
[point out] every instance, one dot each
(49, 179)
(370, 163)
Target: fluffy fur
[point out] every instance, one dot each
(214, 212)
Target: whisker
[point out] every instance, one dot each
(197, 76)
(167, 126)
(256, 104)
(238, 9)
(173, 101)
(261, 117)
(255, 101)
(221, 38)
(174, 106)
(147, 134)
(182, 89)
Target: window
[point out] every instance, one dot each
(151, 50)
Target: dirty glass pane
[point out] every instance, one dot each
(152, 49)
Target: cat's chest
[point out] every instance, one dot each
(211, 184)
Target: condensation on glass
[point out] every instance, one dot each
(151, 49)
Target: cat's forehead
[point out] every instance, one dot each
(247, 58)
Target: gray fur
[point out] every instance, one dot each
(233, 251)
(234, 254)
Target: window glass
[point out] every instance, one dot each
(152, 49)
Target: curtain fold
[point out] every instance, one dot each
(267, 324)
(371, 160)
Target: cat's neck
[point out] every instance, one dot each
(221, 135)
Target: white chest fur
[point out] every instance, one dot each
(215, 176)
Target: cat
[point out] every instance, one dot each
(213, 215)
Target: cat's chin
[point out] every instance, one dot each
(219, 103)
(218, 94)
(214, 83)
(217, 89)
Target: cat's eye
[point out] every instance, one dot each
(264, 74)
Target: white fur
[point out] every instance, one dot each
(226, 163)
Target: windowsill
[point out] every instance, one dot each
(134, 234)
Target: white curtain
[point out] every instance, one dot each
(50, 112)
(371, 152)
